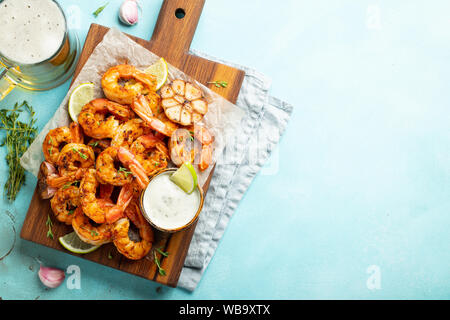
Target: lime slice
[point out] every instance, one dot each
(73, 243)
(185, 177)
(160, 70)
(80, 96)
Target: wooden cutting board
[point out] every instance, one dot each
(171, 39)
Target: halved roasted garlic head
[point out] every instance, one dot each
(183, 102)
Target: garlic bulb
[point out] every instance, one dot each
(128, 12)
(51, 277)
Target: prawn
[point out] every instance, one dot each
(57, 138)
(74, 156)
(131, 249)
(151, 153)
(46, 169)
(64, 203)
(204, 152)
(100, 118)
(128, 132)
(56, 180)
(107, 173)
(147, 109)
(99, 145)
(192, 146)
(102, 210)
(129, 160)
(135, 82)
(95, 235)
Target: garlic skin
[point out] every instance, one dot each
(51, 277)
(128, 12)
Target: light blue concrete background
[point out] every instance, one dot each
(355, 202)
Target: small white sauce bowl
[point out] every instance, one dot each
(155, 225)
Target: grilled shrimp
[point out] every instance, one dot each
(131, 249)
(64, 203)
(99, 145)
(95, 235)
(130, 161)
(151, 153)
(135, 83)
(102, 210)
(146, 107)
(46, 170)
(56, 180)
(193, 146)
(74, 156)
(56, 138)
(107, 171)
(128, 132)
(100, 118)
(181, 146)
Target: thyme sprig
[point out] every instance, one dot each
(165, 254)
(158, 264)
(69, 184)
(219, 83)
(49, 224)
(19, 136)
(125, 171)
(82, 155)
(97, 12)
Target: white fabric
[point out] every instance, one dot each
(265, 122)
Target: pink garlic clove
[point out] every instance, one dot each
(128, 12)
(51, 277)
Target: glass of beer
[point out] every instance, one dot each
(37, 50)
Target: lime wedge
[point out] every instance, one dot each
(160, 70)
(80, 96)
(73, 243)
(185, 177)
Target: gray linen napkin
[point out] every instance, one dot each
(265, 122)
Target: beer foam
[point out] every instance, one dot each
(32, 30)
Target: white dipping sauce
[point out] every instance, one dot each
(31, 30)
(166, 205)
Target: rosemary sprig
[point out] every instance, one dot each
(165, 254)
(19, 136)
(93, 144)
(160, 270)
(125, 171)
(49, 224)
(219, 83)
(94, 233)
(97, 12)
(69, 184)
(82, 155)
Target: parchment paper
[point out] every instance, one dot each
(223, 118)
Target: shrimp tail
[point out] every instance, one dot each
(142, 108)
(117, 212)
(205, 157)
(129, 160)
(106, 191)
(149, 140)
(76, 132)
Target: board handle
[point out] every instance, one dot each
(175, 27)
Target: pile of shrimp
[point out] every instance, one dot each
(117, 144)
